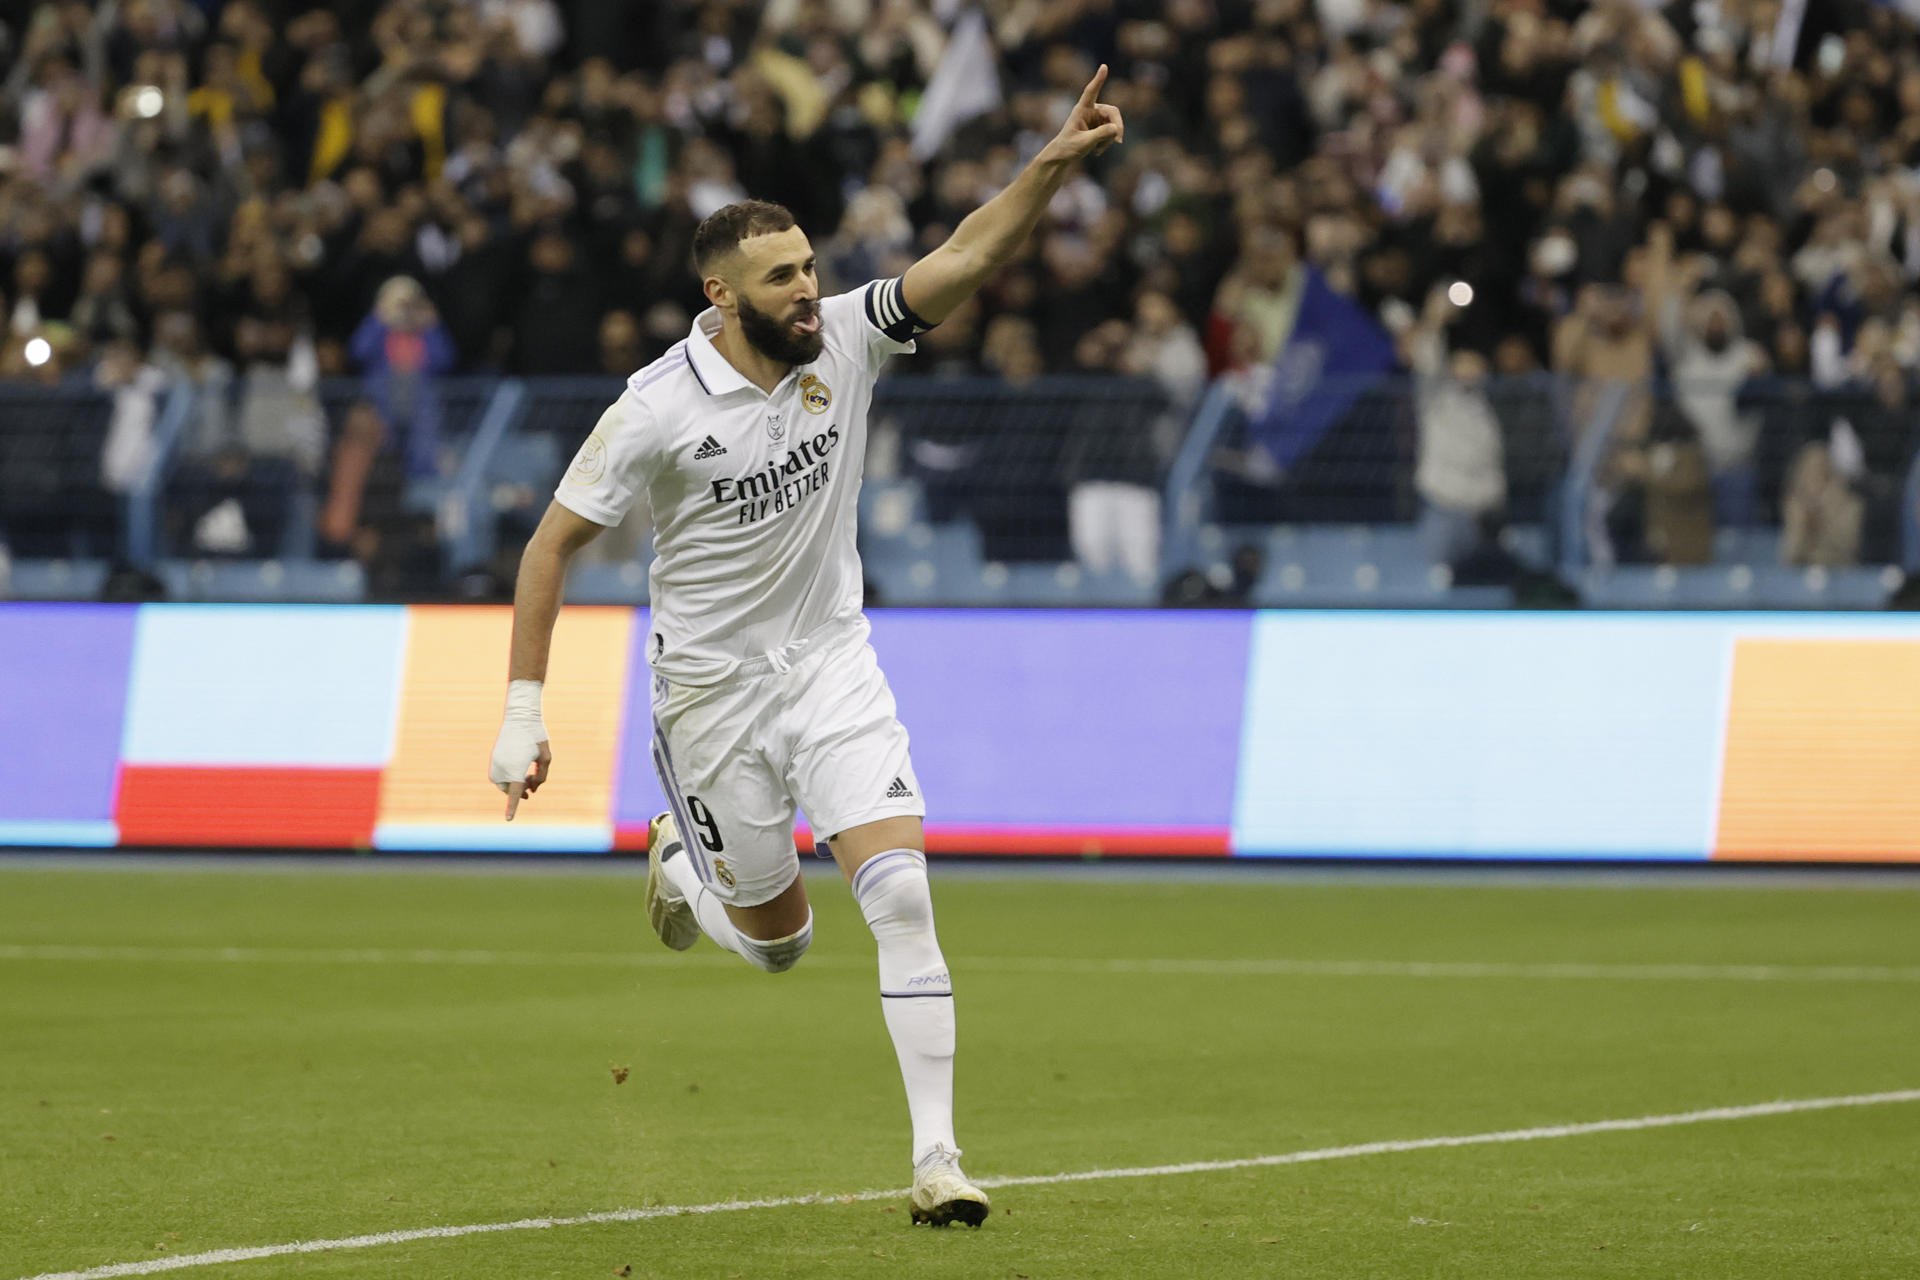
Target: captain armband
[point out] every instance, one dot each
(887, 311)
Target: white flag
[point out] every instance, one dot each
(965, 84)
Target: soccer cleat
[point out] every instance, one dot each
(670, 916)
(942, 1194)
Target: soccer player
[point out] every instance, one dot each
(748, 440)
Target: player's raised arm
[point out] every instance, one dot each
(989, 236)
(521, 753)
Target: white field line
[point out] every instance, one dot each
(1270, 967)
(1317, 1156)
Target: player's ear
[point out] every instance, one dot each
(718, 292)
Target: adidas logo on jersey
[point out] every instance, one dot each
(899, 790)
(709, 448)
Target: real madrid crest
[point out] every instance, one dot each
(591, 462)
(776, 425)
(815, 395)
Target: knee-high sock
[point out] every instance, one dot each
(916, 996)
(775, 956)
(708, 910)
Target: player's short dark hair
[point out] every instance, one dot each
(723, 229)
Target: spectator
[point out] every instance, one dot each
(1873, 433)
(102, 313)
(1605, 346)
(1162, 346)
(136, 387)
(1821, 512)
(33, 298)
(1006, 468)
(232, 486)
(875, 238)
(556, 329)
(403, 350)
(1708, 359)
(64, 135)
(474, 291)
(621, 347)
(180, 356)
(279, 415)
(1672, 480)
(1113, 467)
(1460, 473)
(944, 449)
(1253, 312)
(1532, 449)
(183, 216)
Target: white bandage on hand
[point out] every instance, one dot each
(521, 733)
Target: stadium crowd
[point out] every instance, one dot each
(1720, 193)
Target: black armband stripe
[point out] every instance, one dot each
(887, 311)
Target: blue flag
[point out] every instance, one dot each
(1335, 353)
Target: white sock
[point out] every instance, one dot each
(707, 909)
(775, 956)
(916, 993)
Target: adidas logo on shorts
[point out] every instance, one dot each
(709, 448)
(899, 790)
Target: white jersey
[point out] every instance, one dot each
(754, 496)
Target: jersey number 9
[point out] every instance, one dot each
(709, 827)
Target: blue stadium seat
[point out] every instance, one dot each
(927, 564)
(1349, 558)
(1639, 586)
(1063, 584)
(1755, 548)
(264, 581)
(1737, 586)
(943, 564)
(608, 583)
(889, 508)
(1354, 567)
(54, 580)
(1526, 542)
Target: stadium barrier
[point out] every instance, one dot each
(1254, 734)
(972, 485)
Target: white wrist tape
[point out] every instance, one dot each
(523, 699)
(522, 730)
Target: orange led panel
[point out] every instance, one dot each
(452, 691)
(1822, 760)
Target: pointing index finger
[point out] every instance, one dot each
(1091, 94)
(514, 790)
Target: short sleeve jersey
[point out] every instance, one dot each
(754, 495)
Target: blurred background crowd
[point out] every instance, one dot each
(1716, 197)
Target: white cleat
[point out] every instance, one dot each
(942, 1194)
(668, 913)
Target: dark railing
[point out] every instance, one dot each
(1401, 491)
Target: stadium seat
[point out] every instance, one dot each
(608, 583)
(1528, 543)
(1064, 583)
(1755, 547)
(889, 508)
(942, 564)
(1737, 586)
(54, 580)
(926, 564)
(264, 581)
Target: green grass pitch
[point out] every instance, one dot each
(196, 1059)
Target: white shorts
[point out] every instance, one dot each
(817, 729)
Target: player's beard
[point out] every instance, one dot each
(774, 338)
